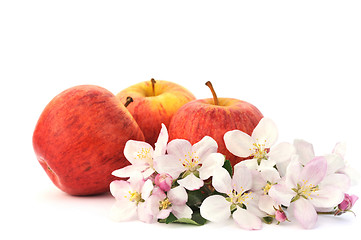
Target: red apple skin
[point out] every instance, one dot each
(151, 111)
(80, 136)
(201, 118)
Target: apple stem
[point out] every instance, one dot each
(215, 99)
(153, 85)
(129, 100)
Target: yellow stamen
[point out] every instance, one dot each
(190, 161)
(164, 204)
(134, 196)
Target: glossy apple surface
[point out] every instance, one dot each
(80, 136)
(202, 117)
(155, 102)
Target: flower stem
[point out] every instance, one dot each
(215, 99)
(326, 213)
(129, 100)
(153, 85)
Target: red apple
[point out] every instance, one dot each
(214, 117)
(155, 102)
(80, 136)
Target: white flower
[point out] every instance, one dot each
(262, 182)
(141, 156)
(196, 163)
(304, 191)
(160, 205)
(130, 197)
(258, 146)
(340, 151)
(337, 173)
(240, 200)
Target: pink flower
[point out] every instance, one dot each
(238, 199)
(346, 204)
(141, 155)
(303, 189)
(164, 181)
(130, 197)
(280, 215)
(191, 164)
(159, 205)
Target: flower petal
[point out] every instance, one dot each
(339, 180)
(304, 150)
(145, 214)
(239, 143)
(249, 163)
(136, 182)
(265, 132)
(168, 164)
(334, 163)
(204, 147)
(164, 213)
(326, 197)
(281, 152)
(352, 173)
(191, 182)
(119, 189)
(178, 195)
(213, 161)
(129, 170)
(305, 213)
(293, 172)
(147, 189)
(137, 152)
(271, 175)
(179, 148)
(222, 181)
(215, 208)
(161, 144)
(242, 179)
(247, 220)
(266, 204)
(340, 149)
(281, 193)
(182, 211)
(123, 210)
(314, 171)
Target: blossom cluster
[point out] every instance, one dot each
(180, 182)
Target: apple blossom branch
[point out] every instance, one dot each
(180, 182)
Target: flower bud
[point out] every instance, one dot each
(347, 202)
(163, 181)
(280, 216)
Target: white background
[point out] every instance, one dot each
(299, 62)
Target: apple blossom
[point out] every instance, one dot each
(262, 182)
(161, 204)
(303, 190)
(335, 174)
(346, 204)
(280, 215)
(340, 150)
(240, 201)
(163, 181)
(141, 156)
(190, 164)
(258, 145)
(130, 197)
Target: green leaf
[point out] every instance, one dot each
(195, 198)
(268, 219)
(171, 218)
(227, 165)
(196, 219)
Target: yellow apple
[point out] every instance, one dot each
(154, 103)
